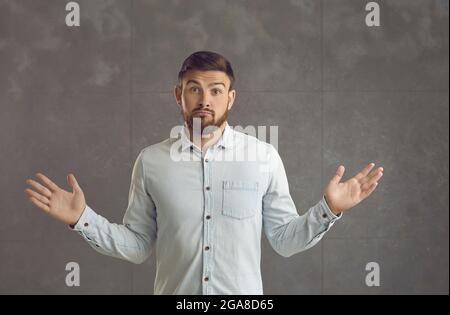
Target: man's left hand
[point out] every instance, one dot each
(345, 195)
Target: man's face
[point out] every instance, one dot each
(205, 95)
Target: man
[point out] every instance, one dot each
(201, 202)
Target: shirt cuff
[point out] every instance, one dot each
(325, 212)
(85, 222)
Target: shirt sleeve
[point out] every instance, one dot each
(134, 239)
(287, 231)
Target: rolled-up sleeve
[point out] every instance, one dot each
(287, 231)
(134, 239)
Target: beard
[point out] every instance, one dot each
(207, 124)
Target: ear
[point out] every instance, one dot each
(231, 98)
(177, 94)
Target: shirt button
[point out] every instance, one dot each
(206, 160)
(324, 216)
(206, 247)
(208, 188)
(206, 279)
(86, 224)
(208, 217)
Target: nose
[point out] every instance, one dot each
(205, 101)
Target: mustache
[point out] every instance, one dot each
(202, 110)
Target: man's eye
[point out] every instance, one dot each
(217, 91)
(194, 89)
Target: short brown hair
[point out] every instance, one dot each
(205, 61)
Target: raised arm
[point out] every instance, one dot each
(132, 241)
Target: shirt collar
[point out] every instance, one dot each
(225, 140)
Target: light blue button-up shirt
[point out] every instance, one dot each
(203, 214)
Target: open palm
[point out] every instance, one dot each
(345, 195)
(59, 203)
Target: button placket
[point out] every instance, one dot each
(206, 165)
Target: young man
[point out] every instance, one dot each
(201, 202)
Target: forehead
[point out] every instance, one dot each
(206, 77)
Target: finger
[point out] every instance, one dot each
(372, 180)
(73, 182)
(366, 193)
(41, 189)
(39, 197)
(363, 173)
(338, 176)
(47, 182)
(372, 175)
(39, 204)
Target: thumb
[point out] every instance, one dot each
(73, 182)
(339, 173)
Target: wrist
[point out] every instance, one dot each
(78, 216)
(331, 207)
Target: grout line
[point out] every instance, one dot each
(131, 104)
(117, 92)
(321, 134)
(314, 91)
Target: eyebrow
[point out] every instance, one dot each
(196, 82)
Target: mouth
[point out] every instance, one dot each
(202, 113)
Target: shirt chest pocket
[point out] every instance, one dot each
(240, 199)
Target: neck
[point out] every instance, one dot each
(207, 140)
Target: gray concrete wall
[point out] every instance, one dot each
(86, 99)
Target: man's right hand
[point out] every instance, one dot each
(65, 206)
